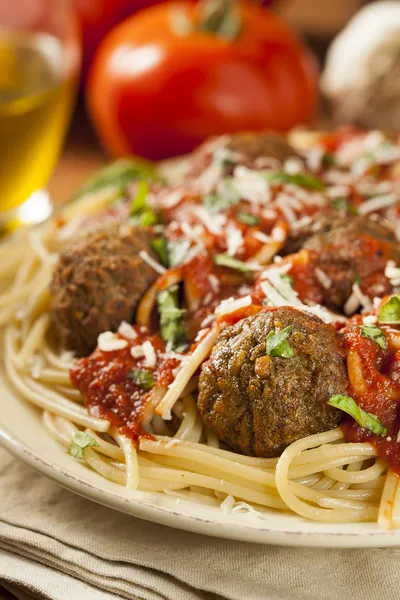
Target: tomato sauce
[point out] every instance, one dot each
(381, 396)
(103, 378)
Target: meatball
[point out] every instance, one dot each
(353, 247)
(259, 404)
(251, 150)
(97, 283)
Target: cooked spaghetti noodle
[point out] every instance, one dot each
(322, 477)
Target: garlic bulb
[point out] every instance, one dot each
(362, 73)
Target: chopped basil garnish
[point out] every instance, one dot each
(226, 197)
(328, 159)
(343, 204)
(170, 254)
(374, 333)
(390, 311)
(357, 279)
(139, 201)
(177, 252)
(247, 218)
(278, 343)
(301, 179)
(145, 219)
(171, 318)
(140, 213)
(80, 441)
(363, 418)
(160, 247)
(143, 378)
(117, 175)
(225, 260)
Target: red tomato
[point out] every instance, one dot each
(156, 93)
(97, 17)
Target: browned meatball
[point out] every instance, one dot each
(97, 283)
(247, 148)
(353, 247)
(258, 404)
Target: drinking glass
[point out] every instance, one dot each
(39, 64)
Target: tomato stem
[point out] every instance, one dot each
(220, 17)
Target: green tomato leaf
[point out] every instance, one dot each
(80, 441)
(143, 378)
(278, 343)
(171, 318)
(363, 418)
(390, 311)
(374, 333)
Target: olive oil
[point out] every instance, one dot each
(36, 97)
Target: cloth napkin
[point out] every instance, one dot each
(55, 545)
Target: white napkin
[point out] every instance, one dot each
(57, 546)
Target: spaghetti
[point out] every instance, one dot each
(337, 475)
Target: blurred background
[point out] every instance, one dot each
(157, 84)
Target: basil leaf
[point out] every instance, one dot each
(118, 175)
(143, 378)
(177, 252)
(225, 260)
(390, 311)
(328, 159)
(247, 218)
(301, 179)
(80, 441)
(363, 418)
(144, 219)
(374, 333)
(160, 247)
(171, 318)
(278, 344)
(343, 204)
(357, 279)
(139, 201)
(140, 213)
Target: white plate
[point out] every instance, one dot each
(22, 433)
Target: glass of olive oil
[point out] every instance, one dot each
(39, 62)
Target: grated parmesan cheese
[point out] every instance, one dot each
(228, 504)
(261, 237)
(214, 282)
(377, 203)
(231, 305)
(370, 320)
(293, 165)
(392, 273)
(234, 238)
(137, 351)
(108, 342)
(152, 263)
(127, 331)
(150, 356)
(323, 278)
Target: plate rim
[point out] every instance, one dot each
(200, 525)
